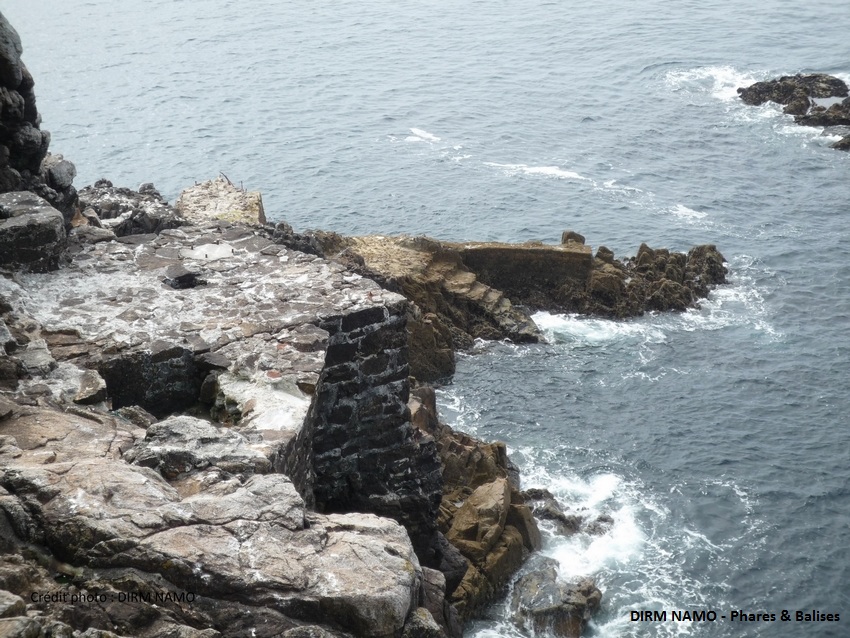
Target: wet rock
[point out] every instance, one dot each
(545, 507)
(787, 88)
(544, 605)
(843, 144)
(801, 94)
(219, 199)
(32, 233)
(835, 115)
(602, 524)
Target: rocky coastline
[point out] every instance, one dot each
(215, 426)
(814, 99)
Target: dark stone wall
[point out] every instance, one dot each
(358, 451)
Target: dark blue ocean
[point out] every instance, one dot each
(718, 439)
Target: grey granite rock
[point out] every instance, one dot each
(32, 233)
(64, 486)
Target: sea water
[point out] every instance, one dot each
(718, 438)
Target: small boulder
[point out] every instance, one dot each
(92, 388)
(843, 144)
(571, 236)
(545, 506)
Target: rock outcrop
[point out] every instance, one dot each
(126, 212)
(299, 370)
(476, 290)
(24, 161)
(488, 527)
(799, 95)
(227, 546)
(32, 233)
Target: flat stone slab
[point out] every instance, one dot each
(155, 318)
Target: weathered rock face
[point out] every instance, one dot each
(306, 361)
(219, 199)
(529, 273)
(238, 541)
(799, 94)
(489, 530)
(32, 233)
(128, 212)
(545, 606)
(24, 161)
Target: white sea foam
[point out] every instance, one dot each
(587, 331)
(680, 210)
(740, 303)
(546, 171)
(420, 135)
(721, 82)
